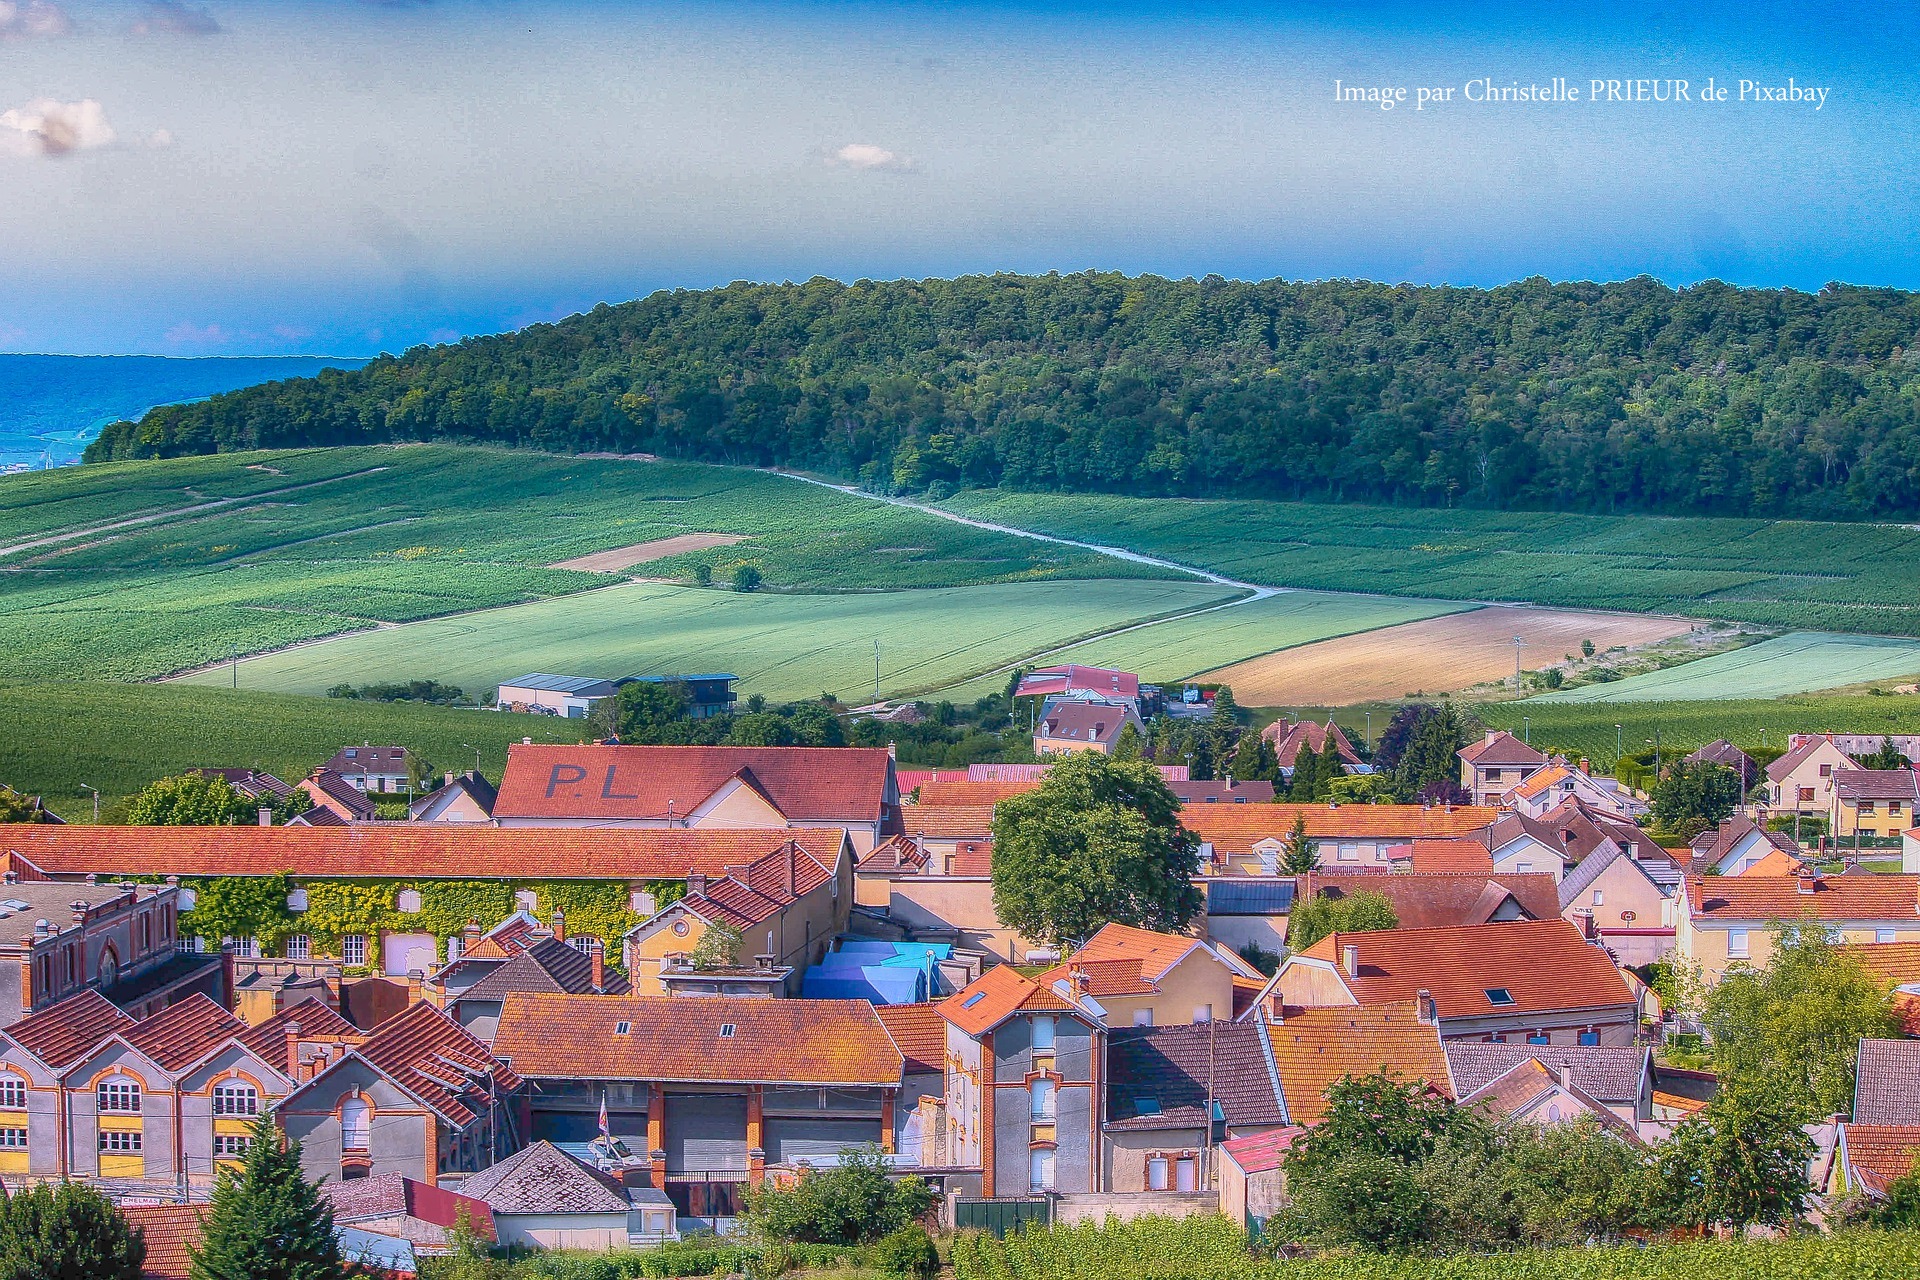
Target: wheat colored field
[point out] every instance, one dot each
(1436, 655)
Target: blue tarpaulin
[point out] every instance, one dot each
(880, 984)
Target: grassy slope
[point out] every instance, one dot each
(119, 737)
(1834, 577)
(782, 646)
(1587, 728)
(1790, 664)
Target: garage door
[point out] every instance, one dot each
(789, 1140)
(706, 1133)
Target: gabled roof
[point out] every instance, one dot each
(545, 683)
(373, 759)
(1660, 873)
(997, 995)
(1084, 722)
(473, 784)
(1314, 1048)
(1786, 764)
(1161, 1077)
(398, 850)
(1886, 1089)
(1435, 901)
(318, 816)
(833, 784)
(335, 788)
(393, 1195)
(184, 1033)
(1234, 829)
(1152, 954)
(438, 1061)
(316, 1019)
(1104, 681)
(1877, 1156)
(1542, 965)
(1875, 784)
(747, 896)
(1764, 898)
(1461, 855)
(543, 1179)
(1615, 1076)
(1893, 963)
(1519, 1090)
(548, 965)
(1722, 752)
(947, 821)
(1711, 848)
(1500, 748)
(171, 1232)
(1263, 1152)
(919, 1032)
(899, 854)
(1288, 739)
(680, 1039)
(249, 782)
(967, 791)
(61, 1034)
(1541, 781)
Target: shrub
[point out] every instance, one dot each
(855, 1203)
(907, 1252)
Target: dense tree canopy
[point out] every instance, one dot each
(1565, 397)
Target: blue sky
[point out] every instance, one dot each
(343, 176)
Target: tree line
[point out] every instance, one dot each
(1629, 396)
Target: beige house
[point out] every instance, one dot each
(1065, 727)
(1873, 802)
(1723, 921)
(1802, 780)
(1147, 979)
(1625, 895)
(1495, 765)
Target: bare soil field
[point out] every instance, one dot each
(640, 552)
(1436, 655)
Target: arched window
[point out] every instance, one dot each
(235, 1098)
(118, 1095)
(109, 968)
(354, 1124)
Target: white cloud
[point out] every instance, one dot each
(174, 18)
(45, 127)
(20, 19)
(864, 155)
(189, 334)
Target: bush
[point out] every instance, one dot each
(907, 1252)
(855, 1203)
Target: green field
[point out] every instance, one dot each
(1797, 663)
(1172, 651)
(119, 737)
(1586, 728)
(781, 646)
(324, 541)
(1793, 574)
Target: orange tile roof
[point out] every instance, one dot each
(1122, 960)
(758, 892)
(1118, 976)
(919, 1032)
(894, 854)
(438, 1061)
(1880, 1154)
(966, 791)
(181, 1034)
(831, 783)
(1541, 781)
(1314, 1048)
(317, 1021)
(1894, 963)
(170, 1231)
(61, 1034)
(1452, 855)
(971, 858)
(947, 821)
(994, 996)
(1544, 965)
(1751, 897)
(1234, 829)
(399, 850)
(674, 1039)
(1676, 1102)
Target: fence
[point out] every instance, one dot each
(998, 1217)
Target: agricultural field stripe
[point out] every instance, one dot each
(1801, 662)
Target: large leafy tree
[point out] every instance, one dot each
(645, 713)
(190, 800)
(1427, 767)
(67, 1231)
(1794, 1028)
(1739, 1161)
(1886, 756)
(1694, 797)
(1099, 840)
(1362, 911)
(267, 1222)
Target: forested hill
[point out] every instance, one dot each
(1629, 396)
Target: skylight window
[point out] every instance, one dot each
(726, 1031)
(622, 1028)
(1499, 996)
(1146, 1106)
(973, 1000)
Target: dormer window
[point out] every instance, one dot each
(726, 1030)
(1499, 996)
(622, 1028)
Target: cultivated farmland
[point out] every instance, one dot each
(1781, 573)
(1798, 663)
(1432, 656)
(1587, 728)
(781, 646)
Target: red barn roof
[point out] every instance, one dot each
(833, 784)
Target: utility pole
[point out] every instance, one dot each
(1526, 730)
(96, 803)
(1616, 746)
(1369, 733)
(1519, 643)
(876, 671)
(236, 666)
(476, 757)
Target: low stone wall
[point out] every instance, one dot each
(1127, 1205)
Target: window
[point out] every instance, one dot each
(1041, 1095)
(353, 949)
(235, 1098)
(120, 1140)
(1599, 897)
(1522, 868)
(247, 947)
(1893, 807)
(1866, 808)
(726, 1030)
(1737, 944)
(1590, 1038)
(1143, 1017)
(1203, 1013)
(1499, 996)
(1157, 1173)
(1146, 1106)
(1040, 1170)
(407, 902)
(973, 1000)
(1879, 935)
(13, 1093)
(354, 1125)
(1043, 1033)
(231, 1146)
(13, 1139)
(299, 947)
(1806, 793)
(1184, 1171)
(1538, 1037)
(119, 1095)
(622, 1028)
(1349, 853)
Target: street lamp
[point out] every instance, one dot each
(476, 757)
(1616, 744)
(1526, 730)
(1369, 733)
(96, 803)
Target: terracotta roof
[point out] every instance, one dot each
(1263, 1152)
(1894, 963)
(1613, 1075)
(543, 1179)
(994, 996)
(1235, 829)
(1786, 764)
(900, 854)
(1159, 1077)
(969, 792)
(807, 1042)
(919, 1032)
(1879, 1155)
(1463, 855)
(1875, 784)
(171, 1231)
(1314, 1048)
(1543, 965)
(947, 821)
(1155, 953)
(1438, 901)
(1886, 1088)
(817, 783)
(438, 1061)
(1762, 898)
(1676, 1102)
(549, 965)
(1101, 680)
(1083, 722)
(1220, 791)
(343, 795)
(1288, 739)
(759, 891)
(392, 1195)
(397, 850)
(182, 1034)
(1500, 748)
(1524, 1084)
(971, 858)
(1113, 977)
(61, 1034)
(317, 1021)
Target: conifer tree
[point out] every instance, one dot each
(68, 1232)
(1302, 851)
(267, 1222)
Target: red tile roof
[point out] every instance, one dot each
(1461, 855)
(1122, 960)
(900, 854)
(438, 1061)
(397, 850)
(60, 1035)
(1083, 722)
(996, 995)
(760, 890)
(1544, 965)
(1235, 829)
(804, 1042)
(920, 1033)
(1880, 1154)
(1751, 897)
(1500, 748)
(966, 791)
(1104, 681)
(1314, 1048)
(1288, 739)
(317, 1022)
(1263, 1152)
(170, 1231)
(947, 821)
(1439, 901)
(1894, 963)
(808, 783)
(182, 1034)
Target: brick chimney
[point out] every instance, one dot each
(265, 815)
(559, 925)
(788, 856)
(469, 937)
(415, 980)
(696, 884)
(1586, 766)
(1563, 1076)
(597, 953)
(1807, 878)
(1425, 1009)
(293, 1051)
